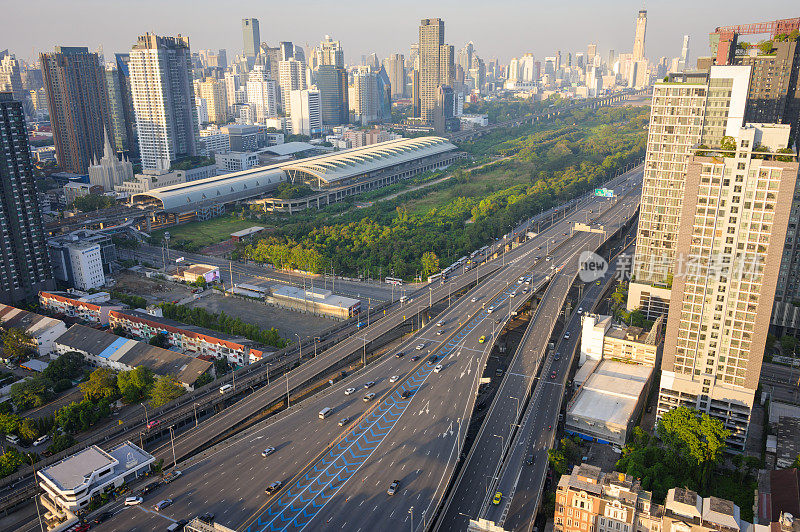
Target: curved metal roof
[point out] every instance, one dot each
(350, 163)
(224, 188)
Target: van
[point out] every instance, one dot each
(325, 412)
(40, 440)
(12, 438)
(224, 388)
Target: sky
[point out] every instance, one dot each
(500, 29)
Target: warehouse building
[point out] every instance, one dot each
(314, 301)
(103, 349)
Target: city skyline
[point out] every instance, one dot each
(466, 22)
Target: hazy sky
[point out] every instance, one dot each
(499, 28)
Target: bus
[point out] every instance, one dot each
(393, 280)
(435, 277)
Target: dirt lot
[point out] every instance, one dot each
(154, 291)
(286, 321)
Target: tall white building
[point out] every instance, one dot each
(638, 40)
(262, 96)
(329, 52)
(527, 68)
(292, 77)
(306, 112)
(109, 171)
(364, 100)
(163, 99)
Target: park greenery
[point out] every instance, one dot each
(542, 166)
(93, 202)
(16, 344)
(289, 191)
(188, 163)
(221, 322)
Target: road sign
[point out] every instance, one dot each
(604, 193)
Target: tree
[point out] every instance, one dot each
(159, 340)
(165, 390)
(430, 263)
(788, 344)
(16, 344)
(31, 393)
(696, 437)
(66, 366)
(102, 384)
(136, 384)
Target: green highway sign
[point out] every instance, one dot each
(604, 193)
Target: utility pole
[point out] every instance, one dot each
(172, 438)
(230, 270)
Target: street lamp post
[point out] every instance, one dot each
(300, 343)
(172, 440)
(195, 414)
(411, 511)
(146, 418)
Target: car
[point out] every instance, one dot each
(490, 310)
(160, 505)
(394, 378)
(149, 489)
(399, 354)
(432, 359)
(498, 371)
(172, 475)
(440, 332)
(368, 385)
(580, 310)
(549, 258)
(649, 409)
(133, 501)
(393, 487)
(474, 299)
(481, 339)
(566, 335)
(153, 423)
(553, 375)
(438, 368)
(565, 234)
(275, 486)
(549, 427)
(369, 397)
(498, 496)
(40, 440)
(524, 290)
(406, 394)
(521, 279)
(415, 358)
(597, 282)
(207, 518)
(102, 517)
(440, 323)
(344, 421)
(349, 391)
(557, 356)
(268, 451)
(420, 347)
(513, 294)
(540, 247)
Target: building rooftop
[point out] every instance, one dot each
(289, 148)
(166, 322)
(611, 392)
(247, 232)
(33, 324)
(317, 295)
(200, 269)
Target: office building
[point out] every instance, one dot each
(638, 41)
(435, 65)
(334, 101)
(215, 140)
(589, 500)
(733, 224)
(163, 99)
(365, 98)
(24, 264)
(262, 95)
(11, 77)
(216, 96)
(415, 98)
(77, 263)
(109, 171)
(306, 117)
(242, 137)
(683, 62)
(444, 118)
(384, 94)
(395, 68)
(292, 77)
(77, 100)
(236, 161)
(251, 37)
(591, 51)
(120, 106)
(329, 52)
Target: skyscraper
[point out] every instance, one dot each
(330, 52)
(332, 86)
(262, 95)
(251, 37)
(435, 65)
(684, 60)
(306, 117)
(214, 93)
(77, 100)
(366, 98)
(163, 99)
(292, 77)
(24, 261)
(120, 104)
(591, 51)
(397, 74)
(638, 41)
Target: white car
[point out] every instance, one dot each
(369, 397)
(420, 347)
(438, 368)
(489, 310)
(513, 294)
(268, 451)
(394, 378)
(566, 336)
(440, 323)
(474, 299)
(133, 501)
(349, 391)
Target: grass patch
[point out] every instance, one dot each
(195, 235)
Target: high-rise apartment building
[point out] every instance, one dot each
(684, 60)
(120, 105)
(291, 77)
(366, 99)
(24, 262)
(395, 69)
(732, 228)
(332, 86)
(435, 65)
(251, 37)
(306, 116)
(77, 100)
(330, 52)
(591, 51)
(163, 99)
(262, 95)
(213, 91)
(11, 77)
(638, 40)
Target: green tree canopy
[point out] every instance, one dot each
(102, 384)
(430, 263)
(160, 340)
(136, 384)
(16, 344)
(31, 393)
(165, 390)
(66, 366)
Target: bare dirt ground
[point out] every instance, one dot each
(287, 322)
(155, 291)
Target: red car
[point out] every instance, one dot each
(153, 424)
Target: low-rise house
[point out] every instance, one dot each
(87, 307)
(42, 330)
